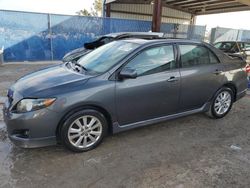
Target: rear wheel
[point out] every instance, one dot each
(83, 130)
(222, 103)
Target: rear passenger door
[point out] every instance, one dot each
(201, 75)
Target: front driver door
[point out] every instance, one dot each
(155, 92)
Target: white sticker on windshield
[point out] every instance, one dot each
(126, 47)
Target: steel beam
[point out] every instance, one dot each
(245, 2)
(157, 13)
(108, 10)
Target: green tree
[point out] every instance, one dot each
(84, 12)
(98, 6)
(96, 9)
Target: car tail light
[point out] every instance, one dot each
(247, 68)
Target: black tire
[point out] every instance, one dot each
(70, 121)
(212, 110)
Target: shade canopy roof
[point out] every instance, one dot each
(197, 7)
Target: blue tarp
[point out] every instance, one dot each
(35, 36)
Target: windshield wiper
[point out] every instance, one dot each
(75, 66)
(79, 65)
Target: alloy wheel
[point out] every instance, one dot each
(222, 103)
(85, 131)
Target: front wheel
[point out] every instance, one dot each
(222, 103)
(84, 130)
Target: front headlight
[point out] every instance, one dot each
(27, 105)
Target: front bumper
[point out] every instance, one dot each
(32, 129)
(34, 142)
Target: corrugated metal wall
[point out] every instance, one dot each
(175, 16)
(145, 11)
(131, 11)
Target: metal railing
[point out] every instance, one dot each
(192, 32)
(227, 34)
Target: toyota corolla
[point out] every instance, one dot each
(120, 86)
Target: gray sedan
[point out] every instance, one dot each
(119, 86)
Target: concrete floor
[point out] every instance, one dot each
(194, 151)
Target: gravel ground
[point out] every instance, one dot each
(194, 151)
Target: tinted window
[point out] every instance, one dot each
(153, 60)
(213, 58)
(192, 55)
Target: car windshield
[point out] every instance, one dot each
(105, 57)
(226, 46)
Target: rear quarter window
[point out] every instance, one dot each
(194, 55)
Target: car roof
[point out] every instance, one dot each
(227, 41)
(135, 40)
(134, 33)
(163, 40)
(232, 41)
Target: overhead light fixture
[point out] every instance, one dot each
(152, 2)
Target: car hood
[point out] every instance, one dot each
(48, 82)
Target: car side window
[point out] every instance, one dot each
(153, 60)
(193, 55)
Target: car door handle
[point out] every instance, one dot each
(217, 72)
(172, 79)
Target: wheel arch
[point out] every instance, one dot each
(229, 85)
(74, 109)
(211, 111)
(233, 87)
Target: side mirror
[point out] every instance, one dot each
(127, 73)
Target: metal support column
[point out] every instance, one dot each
(108, 10)
(156, 20)
(50, 37)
